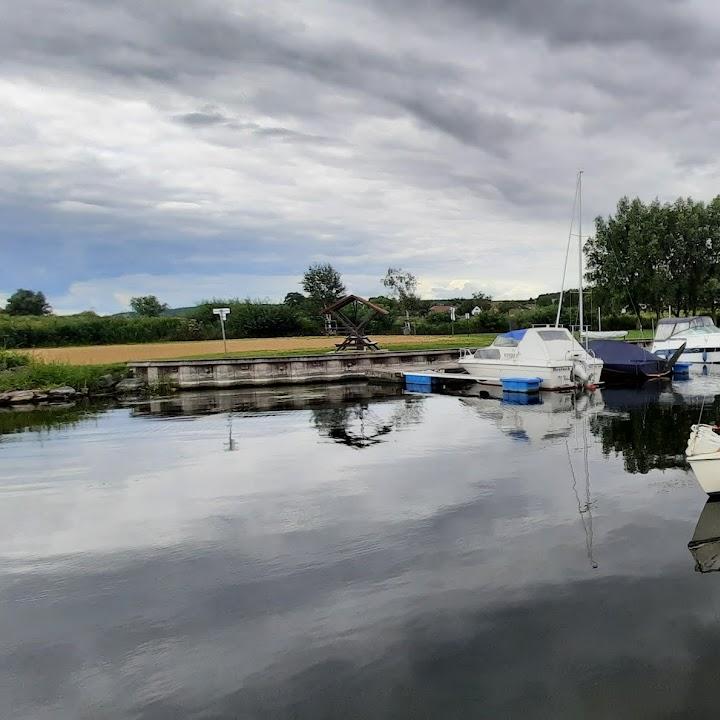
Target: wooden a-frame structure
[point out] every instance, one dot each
(356, 339)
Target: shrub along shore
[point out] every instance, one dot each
(249, 319)
(25, 380)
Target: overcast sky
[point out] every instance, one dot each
(216, 147)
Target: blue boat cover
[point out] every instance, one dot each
(614, 352)
(514, 335)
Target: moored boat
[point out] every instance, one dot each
(627, 362)
(549, 353)
(699, 335)
(703, 454)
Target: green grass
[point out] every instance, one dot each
(457, 341)
(10, 360)
(37, 375)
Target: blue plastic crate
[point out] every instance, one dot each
(521, 384)
(418, 383)
(681, 369)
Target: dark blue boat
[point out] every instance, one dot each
(628, 363)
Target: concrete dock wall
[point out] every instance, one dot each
(240, 372)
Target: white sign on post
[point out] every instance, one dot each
(223, 313)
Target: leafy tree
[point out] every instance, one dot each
(323, 284)
(656, 255)
(27, 302)
(147, 306)
(294, 299)
(482, 300)
(403, 286)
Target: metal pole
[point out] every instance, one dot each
(580, 256)
(222, 325)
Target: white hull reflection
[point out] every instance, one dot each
(535, 419)
(705, 543)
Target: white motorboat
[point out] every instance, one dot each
(703, 454)
(700, 335)
(549, 353)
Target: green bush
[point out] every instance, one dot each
(251, 319)
(10, 360)
(38, 375)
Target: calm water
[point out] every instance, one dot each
(356, 552)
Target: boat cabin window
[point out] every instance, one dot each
(503, 341)
(664, 331)
(488, 353)
(548, 335)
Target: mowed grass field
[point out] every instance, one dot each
(248, 347)
(254, 347)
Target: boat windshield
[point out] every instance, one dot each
(685, 326)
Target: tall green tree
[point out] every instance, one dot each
(27, 302)
(323, 284)
(657, 255)
(147, 306)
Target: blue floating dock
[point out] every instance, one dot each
(418, 383)
(681, 369)
(521, 384)
(517, 398)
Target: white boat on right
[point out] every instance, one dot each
(703, 454)
(700, 335)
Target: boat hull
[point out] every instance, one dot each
(552, 378)
(705, 353)
(707, 471)
(618, 373)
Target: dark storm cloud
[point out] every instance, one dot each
(175, 43)
(665, 26)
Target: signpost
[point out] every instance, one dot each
(452, 319)
(223, 313)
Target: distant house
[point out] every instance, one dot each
(476, 311)
(439, 309)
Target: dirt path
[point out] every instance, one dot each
(100, 354)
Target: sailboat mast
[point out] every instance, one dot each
(580, 256)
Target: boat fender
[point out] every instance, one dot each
(704, 355)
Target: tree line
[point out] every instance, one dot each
(656, 256)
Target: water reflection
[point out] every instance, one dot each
(44, 418)
(263, 399)
(361, 425)
(649, 427)
(449, 570)
(538, 418)
(705, 543)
